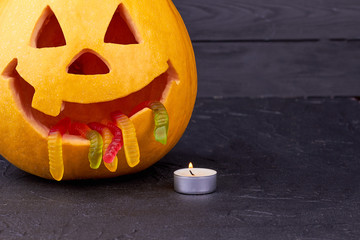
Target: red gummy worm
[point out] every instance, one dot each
(116, 143)
(118, 138)
(79, 129)
(62, 126)
(96, 126)
(114, 130)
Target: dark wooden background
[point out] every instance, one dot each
(288, 168)
(283, 48)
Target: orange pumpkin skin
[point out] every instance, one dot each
(36, 90)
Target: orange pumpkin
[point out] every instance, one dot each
(84, 59)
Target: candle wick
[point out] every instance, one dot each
(191, 172)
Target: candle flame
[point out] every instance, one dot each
(190, 165)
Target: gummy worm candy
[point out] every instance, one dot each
(56, 164)
(131, 146)
(112, 139)
(108, 138)
(161, 119)
(117, 142)
(96, 143)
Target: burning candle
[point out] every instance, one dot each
(195, 180)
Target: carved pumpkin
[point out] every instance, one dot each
(83, 60)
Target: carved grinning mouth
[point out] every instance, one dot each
(23, 93)
(48, 33)
(97, 114)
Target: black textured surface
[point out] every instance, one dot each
(285, 69)
(218, 20)
(287, 169)
(276, 48)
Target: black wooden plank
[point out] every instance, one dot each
(284, 69)
(287, 169)
(270, 19)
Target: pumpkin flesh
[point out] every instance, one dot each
(23, 93)
(39, 85)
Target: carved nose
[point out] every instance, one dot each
(88, 62)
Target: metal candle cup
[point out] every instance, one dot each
(195, 180)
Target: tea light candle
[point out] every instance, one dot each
(195, 180)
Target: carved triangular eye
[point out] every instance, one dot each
(120, 29)
(47, 31)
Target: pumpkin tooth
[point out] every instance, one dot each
(161, 119)
(96, 143)
(49, 105)
(56, 164)
(62, 107)
(131, 146)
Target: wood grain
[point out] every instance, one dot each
(284, 69)
(287, 169)
(270, 19)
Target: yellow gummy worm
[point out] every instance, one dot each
(56, 164)
(131, 146)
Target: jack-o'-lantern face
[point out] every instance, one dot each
(83, 60)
